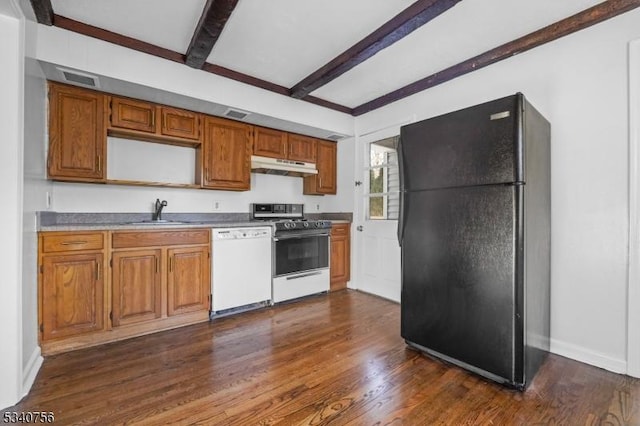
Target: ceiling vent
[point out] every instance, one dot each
(76, 77)
(236, 114)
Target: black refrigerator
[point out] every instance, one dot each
(474, 231)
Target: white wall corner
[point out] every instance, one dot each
(30, 370)
(633, 311)
(587, 356)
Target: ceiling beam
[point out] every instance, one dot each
(161, 52)
(586, 18)
(403, 24)
(115, 38)
(43, 11)
(214, 18)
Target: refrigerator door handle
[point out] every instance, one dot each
(401, 208)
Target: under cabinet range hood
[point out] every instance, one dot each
(278, 166)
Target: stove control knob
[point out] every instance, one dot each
(306, 224)
(287, 225)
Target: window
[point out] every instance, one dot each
(383, 196)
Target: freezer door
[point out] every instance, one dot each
(461, 276)
(475, 146)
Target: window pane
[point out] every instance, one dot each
(376, 208)
(383, 201)
(377, 180)
(383, 152)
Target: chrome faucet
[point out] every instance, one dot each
(157, 216)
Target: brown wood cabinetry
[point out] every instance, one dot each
(302, 148)
(80, 120)
(133, 115)
(172, 264)
(148, 121)
(278, 144)
(188, 284)
(340, 255)
(77, 134)
(226, 155)
(71, 284)
(136, 286)
(157, 280)
(325, 182)
(269, 142)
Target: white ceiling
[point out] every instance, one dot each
(283, 41)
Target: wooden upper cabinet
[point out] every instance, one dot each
(72, 294)
(77, 134)
(269, 143)
(145, 120)
(279, 144)
(134, 115)
(302, 148)
(226, 159)
(136, 286)
(325, 182)
(180, 123)
(188, 280)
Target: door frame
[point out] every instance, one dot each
(633, 312)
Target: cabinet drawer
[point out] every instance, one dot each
(126, 239)
(339, 229)
(71, 241)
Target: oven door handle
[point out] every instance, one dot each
(299, 236)
(309, 274)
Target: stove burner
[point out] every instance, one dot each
(288, 217)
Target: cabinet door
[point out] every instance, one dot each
(131, 114)
(325, 181)
(180, 123)
(72, 295)
(77, 134)
(188, 283)
(269, 143)
(340, 256)
(136, 286)
(302, 148)
(226, 155)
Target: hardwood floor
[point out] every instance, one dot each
(336, 359)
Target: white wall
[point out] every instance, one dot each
(11, 123)
(580, 84)
(35, 188)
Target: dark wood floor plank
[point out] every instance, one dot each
(335, 359)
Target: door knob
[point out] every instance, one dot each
(359, 228)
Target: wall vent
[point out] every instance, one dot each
(236, 114)
(335, 136)
(76, 77)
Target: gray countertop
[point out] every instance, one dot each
(52, 221)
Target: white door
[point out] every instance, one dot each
(376, 214)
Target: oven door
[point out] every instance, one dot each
(299, 253)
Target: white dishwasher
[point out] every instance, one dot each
(241, 269)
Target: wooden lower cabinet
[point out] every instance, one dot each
(72, 294)
(136, 286)
(340, 270)
(188, 287)
(157, 280)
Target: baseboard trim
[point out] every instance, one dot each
(582, 354)
(30, 370)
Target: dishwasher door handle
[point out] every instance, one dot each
(309, 274)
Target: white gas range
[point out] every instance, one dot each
(300, 256)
